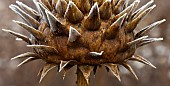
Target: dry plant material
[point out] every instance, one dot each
(86, 33)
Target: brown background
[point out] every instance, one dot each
(157, 53)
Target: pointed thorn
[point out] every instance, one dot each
(23, 37)
(73, 14)
(140, 10)
(47, 67)
(128, 67)
(61, 7)
(36, 33)
(118, 5)
(114, 69)
(40, 72)
(112, 31)
(26, 61)
(153, 39)
(44, 47)
(148, 41)
(126, 11)
(37, 6)
(132, 25)
(86, 70)
(136, 41)
(66, 69)
(42, 10)
(142, 60)
(25, 55)
(73, 34)
(63, 64)
(135, 5)
(29, 10)
(92, 22)
(148, 28)
(83, 5)
(47, 4)
(25, 16)
(55, 25)
(105, 10)
(95, 54)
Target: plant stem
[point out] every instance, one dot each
(81, 81)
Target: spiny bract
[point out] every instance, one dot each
(86, 33)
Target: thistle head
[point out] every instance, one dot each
(86, 33)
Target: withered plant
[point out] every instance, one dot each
(85, 33)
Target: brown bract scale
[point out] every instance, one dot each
(87, 33)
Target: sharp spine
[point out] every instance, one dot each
(83, 5)
(140, 10)
(136, 41)
(73, 14)
(66, 69)
(142, 60)
(25, 55)
(120, 3)
(135, 4)
(36, 5)
(42, 11)
(132, 25)
(56, 27)
(148, 41)
(112, 31)
(114, 69)
(25, 16)
(86, 70)
(128, 67)
(153, 39)
(40, 71)
(23, 37)
(105, 10)
(44, 47)
(46, 4)
(73, 34)
(63, 64)
(61, 7)
(37, 34)
(127, 10)
(148, 28)
(29, 10)
(47, 67)
(26, 61)
(92, 22)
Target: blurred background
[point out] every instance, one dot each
(157, 53)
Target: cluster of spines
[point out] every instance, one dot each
(119, 14)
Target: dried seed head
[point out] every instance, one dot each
(86, 33)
